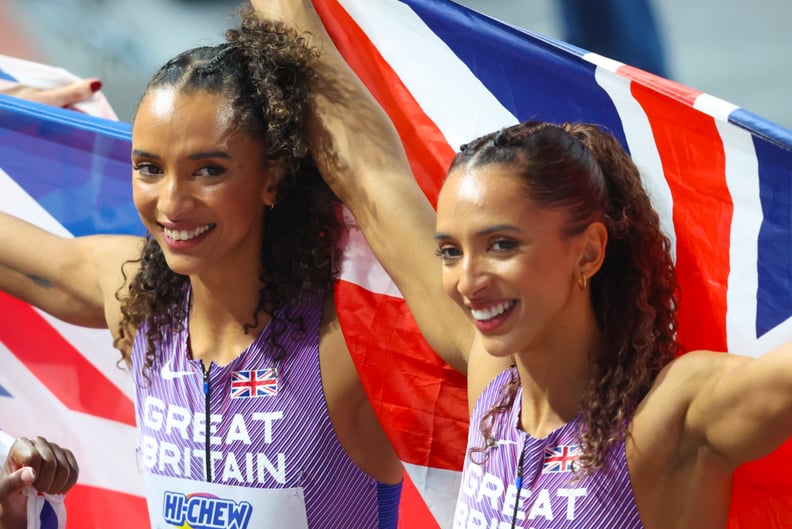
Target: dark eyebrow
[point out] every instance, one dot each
(210, 154)
(492, 229)
(143, 154)
(197, 156)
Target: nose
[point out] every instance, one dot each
(473, 276)
(175, 197)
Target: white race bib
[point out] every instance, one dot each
(182, 503)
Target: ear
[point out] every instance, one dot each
(592, 249)
(274, 173)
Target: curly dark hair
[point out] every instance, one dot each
(264, 70)
(584, 170)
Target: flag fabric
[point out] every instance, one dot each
(720, 177)
(45, 511)
(69, 173)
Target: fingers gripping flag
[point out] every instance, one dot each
(44, 511)
(719, 176)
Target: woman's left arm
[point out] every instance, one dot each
(742, 408)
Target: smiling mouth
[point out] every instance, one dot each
(484, 315)
(186, 235)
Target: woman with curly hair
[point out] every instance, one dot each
(249, 408)
(545, 276)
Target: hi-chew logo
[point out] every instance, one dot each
(200, 510)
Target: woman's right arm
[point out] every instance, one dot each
(360, 155)
(74, 279)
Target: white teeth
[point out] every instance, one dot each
(488, 314)
(186, 235)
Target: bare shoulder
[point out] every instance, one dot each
(114, 249)
(687, 375)
(660, 425)
(672, 466)
(482, 369)
(116, 261)
(682, 380)
(111, 253)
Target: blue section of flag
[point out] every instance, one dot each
(758, 126)
(773, 303)
(47, 517)
(533, 77)
(76, 166)
(4, 392)
(4, 76)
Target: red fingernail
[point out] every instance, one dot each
(96, 86)
(71, 107)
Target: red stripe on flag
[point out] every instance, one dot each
(672, 89)
(96, 507)
(694, 164)
(413, 512)
(423, 405)
(427, 149)
(77, 383)
(763, 492)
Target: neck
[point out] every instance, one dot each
(555, 374)
(218, 316)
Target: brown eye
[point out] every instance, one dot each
(504, 245)
(211, 171)
(147, 169)
(448, 253)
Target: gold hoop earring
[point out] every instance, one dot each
(582, 281)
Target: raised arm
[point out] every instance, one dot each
(361, 157)
(63, 96)
(743, 410)
(72, 279)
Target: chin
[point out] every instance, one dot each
(498, 347)
(180, 266)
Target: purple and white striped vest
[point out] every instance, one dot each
(269, 429)
(551, 495)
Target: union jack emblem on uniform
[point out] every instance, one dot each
(561, 458)
(254, 383)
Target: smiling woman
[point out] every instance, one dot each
(203, 189)
(560, 303)
(224, 311)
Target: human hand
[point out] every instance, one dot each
(63, 96)
(37, 462)
(295, 13)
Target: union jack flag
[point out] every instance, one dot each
(254, 383)
(561, 458)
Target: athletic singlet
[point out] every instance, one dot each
(275, 460)
(551, 495)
